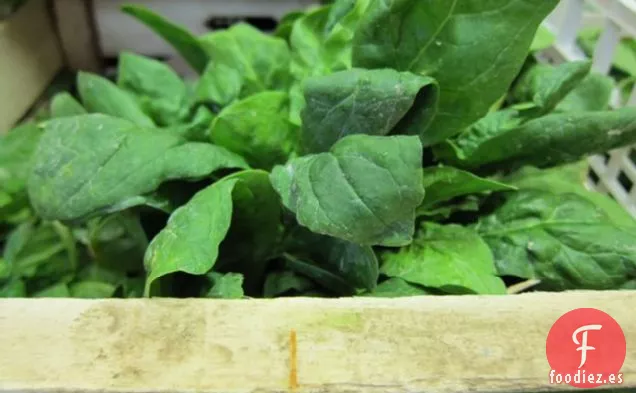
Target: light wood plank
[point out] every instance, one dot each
(425, 344)
(29, 59)
(77, 34)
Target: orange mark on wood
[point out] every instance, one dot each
(293, 361)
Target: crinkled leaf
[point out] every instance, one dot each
(182, 40)
(257, 128)
(286, 23)
(262, 61)
(96, 163)
(473, 48)
(225, 286)
(545, 85)
(99, 95)
(159, 90)
(190, 241)
(443, 183)
(197, 129)
(63, 104)
(448, 257)
(364, 102)
(561, 239)
(365, 190)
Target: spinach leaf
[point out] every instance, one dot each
(281, 283)
(545, 85)
(473, 48)
(118, 241)
(451, 258)
(99, 95)
(225, 286)
(257, 128)
(262, 61)
(91, 290)
(569, 179)
(343, 266)
(198, 128)
(364, 102)
(44, 251)
(397, 287)
(159, 90)
(562, 239)
(286, 23)
(58, 290)
(443, 183)
(182, 40)
(220, 84)
(190, 241)
(547, 141)
(543, 39)
(93, 164)
(592, 94)
(365, 190)
(63, 104)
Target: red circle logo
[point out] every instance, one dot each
(586, 348)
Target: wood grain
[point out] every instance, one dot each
(425, 344)
(29, 59)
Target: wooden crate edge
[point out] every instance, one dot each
(432, 344)
(31, 57)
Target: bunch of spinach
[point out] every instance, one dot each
(369, 147)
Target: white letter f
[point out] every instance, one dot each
(584, 347)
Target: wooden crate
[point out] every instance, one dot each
(422, 344)
(30, 56)
(426, 344)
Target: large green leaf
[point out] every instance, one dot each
(451, 258)
(190, 241)
(364, 102)
(443, 183)
(262, 61)
(159, 90)
(96, 163)
(365, 190)
(257, 128)
(545, 85)
(562, 239)
(473, 48)
(182, 40)
(99, 95)
(547, 141)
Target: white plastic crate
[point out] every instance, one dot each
(614, 173)
(118, 31)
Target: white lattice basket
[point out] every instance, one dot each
(613, 173)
